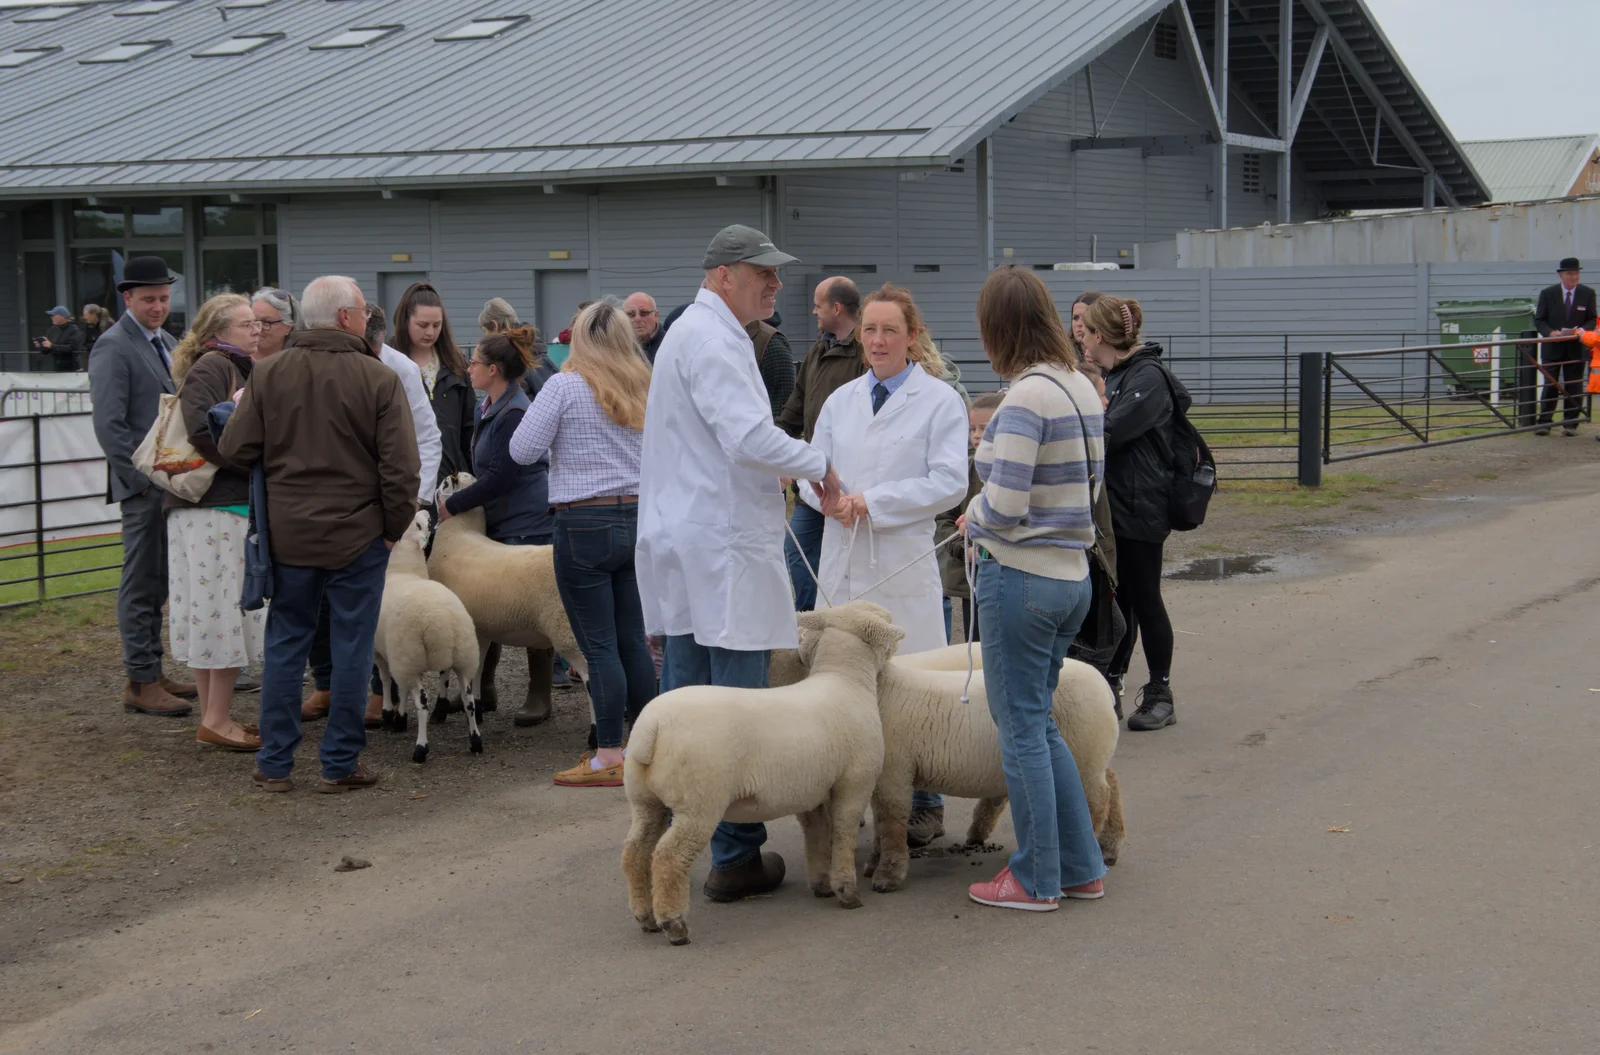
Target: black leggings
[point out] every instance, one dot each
(1139, 597)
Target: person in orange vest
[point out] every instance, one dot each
(1591, 341)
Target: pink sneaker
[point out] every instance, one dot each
(1003, 891)
(1087, 892)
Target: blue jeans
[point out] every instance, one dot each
(687, 662)
(1028, 622)
(594, 574)
(354, 593)
(807, 524)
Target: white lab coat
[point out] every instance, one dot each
(709, 556)
(426, 425)
(910, 461)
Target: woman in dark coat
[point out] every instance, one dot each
(422, 332)
(1140, 423)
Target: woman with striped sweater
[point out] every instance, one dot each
(1032, 526)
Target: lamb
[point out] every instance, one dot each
(510, 591)
(703, 754)
(422, 627)
(934, 742)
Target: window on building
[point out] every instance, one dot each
(483, 28)
(1250, 173)
(126, 52)
(98, 221)
(38, 221)
(1166, 41)
(38, 289)
(359, 37)
(241, 45)
(238, 246)
(104, 236)
(157, 221)
(10, 60)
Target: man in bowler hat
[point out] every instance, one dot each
(1564, 309)
(130, 369)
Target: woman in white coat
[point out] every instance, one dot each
(897, 436)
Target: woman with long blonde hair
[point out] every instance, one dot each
(205, 538)
(589, 421)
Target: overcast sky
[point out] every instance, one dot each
(1502, 69)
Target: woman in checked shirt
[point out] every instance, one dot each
(589, 421)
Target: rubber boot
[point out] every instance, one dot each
(488, 699)
(536, 708)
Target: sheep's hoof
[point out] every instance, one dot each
(886, 885)
(477, 744)
(677, 929)
(648, 923)
(419, 754)
(388, 720)
(849, 897)
(822, 889)
(400, 722)
(872, 865)
(439, 712)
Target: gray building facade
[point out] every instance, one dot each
(562, 152)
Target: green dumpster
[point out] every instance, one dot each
(1470, 325)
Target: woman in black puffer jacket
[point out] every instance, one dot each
(1139, 443)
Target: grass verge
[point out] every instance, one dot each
(67, 558)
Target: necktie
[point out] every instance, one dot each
(880, 396)
(1569, 305)
(161, 353)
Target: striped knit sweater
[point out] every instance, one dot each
(1035, 512)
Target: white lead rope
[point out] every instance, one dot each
(968, 565)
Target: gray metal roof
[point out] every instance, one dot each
(1531, 169)
(583, 89)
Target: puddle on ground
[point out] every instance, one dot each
(1213, 569)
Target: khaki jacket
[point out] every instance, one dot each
(825, 369)
(331, 425)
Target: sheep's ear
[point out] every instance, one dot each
(884, 637)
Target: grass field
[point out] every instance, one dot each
(67, 558)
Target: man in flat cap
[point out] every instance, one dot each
(1564, 309)
(130, 368)
(709, 558)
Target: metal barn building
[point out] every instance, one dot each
(549, 151)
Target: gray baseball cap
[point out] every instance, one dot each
(738, 244)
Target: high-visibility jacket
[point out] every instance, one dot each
(1591, 339)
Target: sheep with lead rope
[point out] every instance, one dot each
(422, 627)
(510, 591)
(704, 754)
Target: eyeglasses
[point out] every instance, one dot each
(264, 323)
(637, 314)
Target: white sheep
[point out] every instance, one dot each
(704, 754)
(510, 591)
(934, 742)
(422, 627)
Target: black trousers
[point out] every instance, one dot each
(1566, 363)
(1139, 598)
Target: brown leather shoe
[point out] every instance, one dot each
(315, 707)
(148, 697)
(215, 739)
(360, 777)
(275, 784)
(185, 690)
(375, 710)
(761, 874)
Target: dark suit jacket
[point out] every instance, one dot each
(126, 380)
(1551, 314)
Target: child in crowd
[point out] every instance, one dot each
(952, 557)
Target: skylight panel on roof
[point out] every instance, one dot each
(232, 4)
(47, 14)
(10, 60)
(483, 28)
(148, 7)
(126, 52)
(240, 45)
(359, 37)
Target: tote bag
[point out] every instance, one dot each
(168, 458)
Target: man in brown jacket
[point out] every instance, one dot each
(834, 360)
(332, 429)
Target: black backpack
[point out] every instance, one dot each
(1194, 471)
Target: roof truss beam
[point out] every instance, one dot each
(1197, 64)
(1308, 75)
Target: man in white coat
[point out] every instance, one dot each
(709, 559)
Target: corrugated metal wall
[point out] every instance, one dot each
(13, 335)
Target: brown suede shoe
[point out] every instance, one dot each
(148, 697)
(250, 741)
(374, 711)
(273, 784)
(760, 875)
(185, 690)
(360, 777)
(315, 707)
